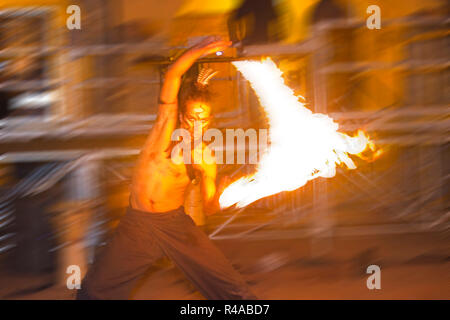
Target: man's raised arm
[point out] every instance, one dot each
(159, 139)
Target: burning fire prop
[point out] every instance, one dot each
(303, 145)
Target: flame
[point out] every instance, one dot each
(303, 145)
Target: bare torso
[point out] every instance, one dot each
(159, 183)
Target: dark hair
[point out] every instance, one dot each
(191, 90)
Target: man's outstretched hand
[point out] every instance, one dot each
(211, 45)
(213, 206)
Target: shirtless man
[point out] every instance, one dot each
(156, 223)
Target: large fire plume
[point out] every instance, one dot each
(303, 145)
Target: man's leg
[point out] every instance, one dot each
(200, 260)
(122, 262)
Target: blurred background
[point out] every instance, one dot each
(76, 106)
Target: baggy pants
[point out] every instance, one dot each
(142, 238)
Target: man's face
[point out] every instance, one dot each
(196, 112)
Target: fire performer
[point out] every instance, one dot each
(156, 224)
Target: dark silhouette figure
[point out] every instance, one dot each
(250, 22)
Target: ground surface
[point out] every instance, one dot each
(413, 266)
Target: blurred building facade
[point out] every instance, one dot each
(77, 99)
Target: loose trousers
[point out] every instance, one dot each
(142, 238)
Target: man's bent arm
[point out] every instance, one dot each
(160, 137)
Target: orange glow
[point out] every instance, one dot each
(303, 145)
(371, 152)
